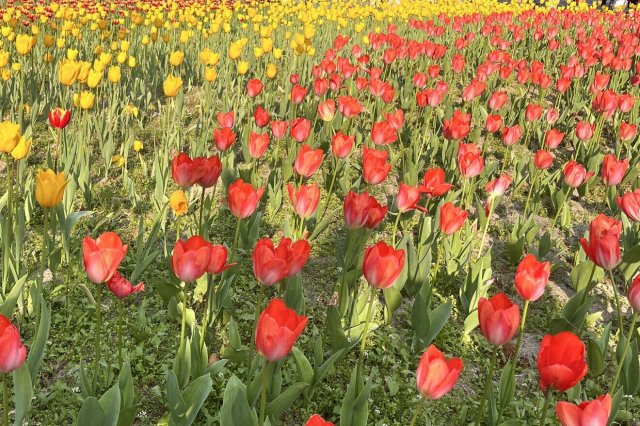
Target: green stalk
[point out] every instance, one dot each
(487, 384)
(235, 239)
(417, 411)
(531, 190)
(395, 229)
(545, 407)
(363, 342)
(5, 398)
(560, 207)
(258, 309)
(266, 372)
(632, 330)
(486, 228)
(326, 204)
(97, 348)
(201, 210)
(119, 329)
(184, 313)
(617, 300)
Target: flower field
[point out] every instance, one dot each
(313, 213)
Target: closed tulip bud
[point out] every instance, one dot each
(242, 67)
(497, 187)
(307, 161)
(533, 112)
(190, 258)
(553, 138)
(458, 126)
(300, 129)
(243, 198)
(86, 100)
(575, 174)
(9, 136)
(22, 149)
(122, 287)
(172, 86)
(629, 203)
(224, 138)
(499, 319)
(271, 71)
(561, 362)
(207, 170)
(341, 144)
(225, 119)
(634, 294)
(627, 131)
(176, 58)
(183, 171)
(603, 245)
(49, 188)
(470, 161)
(590, 413)
(451, 218)
(272, 264)
(305, 199)
(68, 73)
(531, 278)
(261, 117)
(210, 74)
(584, 130)
(12, 351)
(102, 256)
(437, 375)
(542, 159)
(613, 170)
(327, 110)
(277, 330)
(363, 211)
(383, 134)
(374, 165)
(254, 87)
(382, 265)
(497, 100)
(511, 135)
(178, 203)
(494, 123)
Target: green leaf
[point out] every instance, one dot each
(630, 263)
(303, 364)
(235, 409)
(91, 413)
(12, 298)
(36, 352)
(507, 386)
(284, 401)
(195, 395)
(438, 318)
(23, 390)
(595, 358)
(125, 382)
(110, 403)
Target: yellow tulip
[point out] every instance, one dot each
(94, 78)
(235, 50)
(131, 110)
(171, 86)
(118, 160)
(86, 100)
(114, 74)
(24, 43)
(16, 66)
(138, 145)
(22, 148)
(267, 44)
(122, 57)
(277, 53)
(48, 40)
(258, 52)
(83, 73)
(4, 58)
(178, 202)
(272, 71)
(210, 74)
(176, 58)
(72, 54)
(49, 188)
(131, 62)
(9, 136)
(243, 67)
(6, 74)
(124, 45)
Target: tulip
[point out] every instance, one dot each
(613, 170)
(341, 144)
(172, 86)
(584, 130)
(49, 188)
(627, 131)
(217, 263)
(273, 264)
(497, 187)
(590, 413)
(433, 183)
(102, 256)
(225, 119)
(59, 118)
(305, 199)
(224, 138)
(327, 110)
(277, 330)
(300, 129)
(458, 126)
(383, 134)
(382, 265)
(243, 198)
(362, 211)
(470, 161)
(436, 375)
(178, 203)
(499, 318)
(497, 100)
(307, 161)
(511, 135)
(279, 129)
(531, 278)
(316, 420)
(258, 143)
(408, 198)
(374, 165)
(22, 149)
(494, 123)
(629, 203)
(451, 218)
(553, 138)
(122, 287)
(12, 351)
(625, 102)
(183, 170)
(254, 87)
(190, 258)
(207, 170)
(261, 117)
(9, 136)
(533, 112)
(68, 72)
(297, 94)
(542, 160)
(395, 120)
(349, 106)
(603, 245)
(575, 174)
(561, 362)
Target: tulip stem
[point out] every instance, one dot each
(534, 181)
(120, 341)
(258, 309)
(184, 313)
(486, 228)
(5, 398)
(235, 238)
(617, 300)
(266, 372)
(395, 229)
(560, 207)
(201, 211)
(417, 411)
(97, 347)
(632, 330)
(545, 407)
(363, 342)
(326, 204)
(487, 384)
(207, 312)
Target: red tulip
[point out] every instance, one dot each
(625, 102)
(383, 134)
(552, 115)
(316, 420)
(603, 245)
(408, 198)
(457, 63)
(243, 198)
(561, 361)
(470, 161)
(634, 294)
(349, 106)
(494, 123)
(499, 319)
(208, 170)
(451, 218)
(382, 265)
(12, 351)
(307, 161)
(497, 100)
(395, 120)
(279, 129)
(584, 130)
(542, 160)
(497, 187)
(294, 78)
(433, 184)
(305, 199)
(420, 80)
(553, 138)
(224, 138)
(627, 131)
(298, 93)
(363, 211)
(183, 171)
(341, 144)
(300, 129)
(436, 375)
(327, 110)
(122, 287)
(217, 263)
(102, 256)
(532, 277)
(225, 119)
(629, 203)
(458, 126)
(613, 170)
(272, 264)
(575, 174)
(261, 117)
(374, 165)
(254, 87)
(278, 329)
(59, 118)
(190, 258)
(590, 413)
(533, 112)
(258, 144)
(511, 135)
